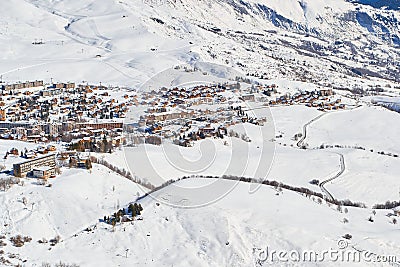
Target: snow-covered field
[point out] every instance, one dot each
(369, 177)
(289, 121)
(77, 199)
(227, 233)
(370, 127)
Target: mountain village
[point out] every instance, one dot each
(90, 118)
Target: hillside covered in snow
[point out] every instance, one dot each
(334, 43)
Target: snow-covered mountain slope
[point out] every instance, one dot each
(77, 199)
(52, 211)
(232, 232)
(330, 43)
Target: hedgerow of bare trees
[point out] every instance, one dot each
(59, 264)
(304, 191)
(122, 172)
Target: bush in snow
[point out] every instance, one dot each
(347, 236)
(19, 241)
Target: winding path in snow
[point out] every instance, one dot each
(300, 144)
(322, 184)
(304, 136)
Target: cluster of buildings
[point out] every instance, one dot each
(321, 99)
(84, 117)
(33, 153)
(185, 115)
(82, 103)
(38, 163)
(45, 165)
(42, 167)
(21, 85)
(43, 162)
(197, 95)
(42, 113)
(91, 140)
(89, 118)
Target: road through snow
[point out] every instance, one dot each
(300, 144)
(341, 171)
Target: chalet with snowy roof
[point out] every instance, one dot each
(249, 97)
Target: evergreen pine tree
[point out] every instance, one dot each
(88, 164)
